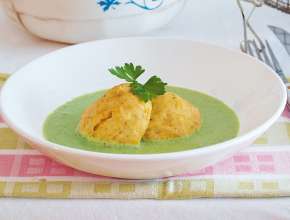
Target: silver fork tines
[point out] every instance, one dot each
(276, 64)
(258, 50)
(266, 55)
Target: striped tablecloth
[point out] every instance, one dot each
(262, 170)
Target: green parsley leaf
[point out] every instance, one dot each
(152, 88)
(155, 86)
(140, 91)
(128, 72)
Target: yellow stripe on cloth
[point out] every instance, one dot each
(162, 190)
(3, 78)
(42, 189)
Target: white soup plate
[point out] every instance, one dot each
(248, 86)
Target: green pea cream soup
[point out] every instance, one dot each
(219, 123)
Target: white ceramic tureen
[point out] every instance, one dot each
(74, 21)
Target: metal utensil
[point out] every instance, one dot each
(276, 65)
(247, 26)
(267, 56)
(283, 36)
(257, 47)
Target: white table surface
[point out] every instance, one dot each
(212, 21)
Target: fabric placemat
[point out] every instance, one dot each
(261, 170)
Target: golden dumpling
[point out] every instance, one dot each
(118, 117)
(172, 117)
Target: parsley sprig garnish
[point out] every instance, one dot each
(152, 88)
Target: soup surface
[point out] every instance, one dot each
(219, 123)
